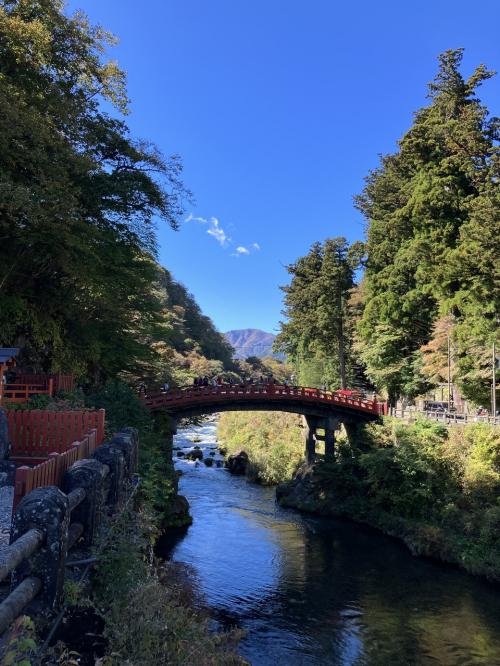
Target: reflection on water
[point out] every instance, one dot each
(317, 591)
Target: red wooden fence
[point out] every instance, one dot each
(60, 382)
(51, 472)
(22, 392)
(35, 433)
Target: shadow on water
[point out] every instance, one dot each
(319, 591)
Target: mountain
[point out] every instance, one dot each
(251, 342)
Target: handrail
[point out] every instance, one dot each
(11, 556)
(200, 394)
(25, 592)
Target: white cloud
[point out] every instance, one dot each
(217, 231)
(192, 218)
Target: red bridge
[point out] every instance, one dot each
(196, 400)
(323, 410)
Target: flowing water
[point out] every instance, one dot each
(322, 591)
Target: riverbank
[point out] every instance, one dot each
(434, 488)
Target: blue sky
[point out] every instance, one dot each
(278, 108)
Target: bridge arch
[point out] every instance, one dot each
(321, 410)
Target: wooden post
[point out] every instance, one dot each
(101, 420)
(56, 475)
(51, 387)
(20, 484)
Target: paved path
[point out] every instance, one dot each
(6, 497)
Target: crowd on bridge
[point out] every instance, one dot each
(262, 380)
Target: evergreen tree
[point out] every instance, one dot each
(432, 210)
(318, 332)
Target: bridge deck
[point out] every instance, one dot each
(197, 396)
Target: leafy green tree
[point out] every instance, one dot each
(78, 199)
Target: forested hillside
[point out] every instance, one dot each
(80, 289)
(431, 260)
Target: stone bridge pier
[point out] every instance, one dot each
(311, 425)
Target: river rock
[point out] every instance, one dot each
(177, 514)
(302, 492)
(238, 463)
(209, 462)
(180, 454)
(195, 454)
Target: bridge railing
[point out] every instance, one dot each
(221, 392)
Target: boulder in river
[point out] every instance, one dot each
(180, 454)
(177, 514)
(209, 462)
(195, 454)
(238, 463)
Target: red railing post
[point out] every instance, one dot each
(101, 420)
(54, 456)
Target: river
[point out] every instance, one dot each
(311, 590)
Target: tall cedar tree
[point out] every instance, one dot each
(317, 335)
(433, 246)
(77, 199)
